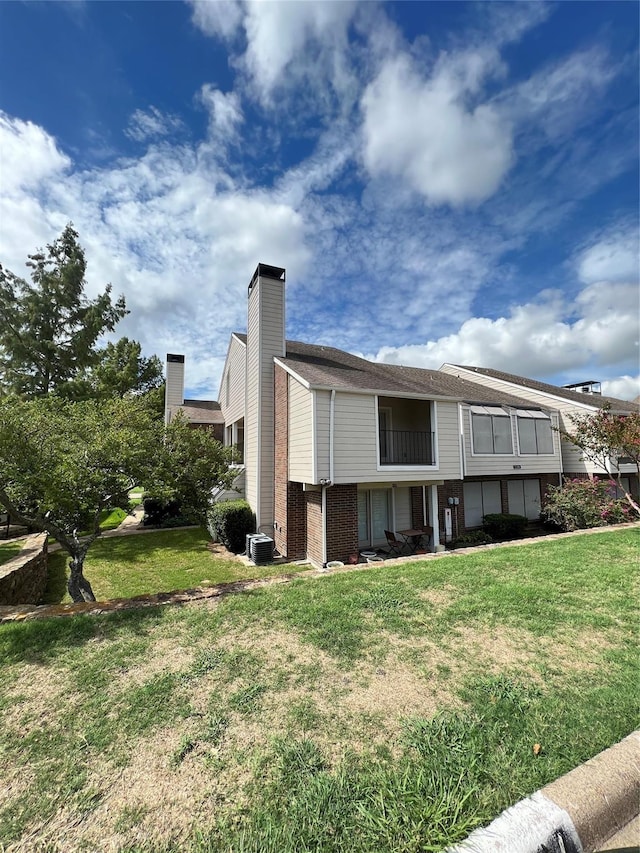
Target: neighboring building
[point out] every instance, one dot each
(201, 414)
(337, 450)
(582, 398)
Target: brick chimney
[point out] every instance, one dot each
(174, 388)
(265, 341)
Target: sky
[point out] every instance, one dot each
(443, 182)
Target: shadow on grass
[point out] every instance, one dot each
(56, 578)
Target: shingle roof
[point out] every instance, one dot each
(597, 400)
(200, 411)
(327, 367)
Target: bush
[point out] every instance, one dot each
(229, 522)
(162, 512)
(504, 525)
(579, 504)
(473, 537)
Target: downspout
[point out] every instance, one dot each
(324, 526)
(332, 417)
(332, 413)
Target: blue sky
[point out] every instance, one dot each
(442, 181)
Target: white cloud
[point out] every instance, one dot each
(225, 112)
(29, 155)
(433, 133)
(217, 17)
(615, 257)
(152, 124)
(540, 339)
(624, 387)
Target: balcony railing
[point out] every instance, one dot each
(406, 447)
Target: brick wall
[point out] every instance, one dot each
(23, 579)
(313, 506)
(342, 522)
(289, 503)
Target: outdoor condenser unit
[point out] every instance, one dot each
(261, 549)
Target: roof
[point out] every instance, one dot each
(596, 400)
(327, 367)
(200, 411)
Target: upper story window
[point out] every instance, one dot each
(491, 430)
(534, 432)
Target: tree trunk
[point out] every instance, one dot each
(78, 586)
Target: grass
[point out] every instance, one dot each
(162, 561)
(9, 550)
(390, 710)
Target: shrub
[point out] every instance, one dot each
(504, 525)
(473, 537)
(579, 504)
(162, 512)
(229, 522)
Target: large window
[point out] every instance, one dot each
(374, 514)
(480, 499)
(534, 432)
(491, 430)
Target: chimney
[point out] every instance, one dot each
(174, 388)
(265, 341)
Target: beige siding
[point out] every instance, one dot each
(323, 415)
(265, 340)
(356, 450)
(499, 464)
(571, 456)
(300, 432)
(448, 438)
(233, 379)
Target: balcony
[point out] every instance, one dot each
(406, 447)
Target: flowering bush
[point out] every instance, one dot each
(584, 503)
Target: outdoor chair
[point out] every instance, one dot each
(426, 538)
(396, 546)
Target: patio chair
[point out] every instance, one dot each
(426, 538)
(396, 546)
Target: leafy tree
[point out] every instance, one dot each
(119, 370)
(62, 463)
(48, 328)
(606, 438)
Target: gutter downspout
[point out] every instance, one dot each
(324, 526)
(332, 418)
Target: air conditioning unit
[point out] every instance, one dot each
(261, 549)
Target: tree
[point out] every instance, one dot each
(607, 438)
(49, 329)
(62, 463)
(119, 370)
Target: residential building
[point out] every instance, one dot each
(336, 450)
(201, 414)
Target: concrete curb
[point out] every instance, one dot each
(577, 813)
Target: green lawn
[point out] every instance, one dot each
(8, 550)
(162, 561)
(392, 709)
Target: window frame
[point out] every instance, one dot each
(493, 413)
(537, 416)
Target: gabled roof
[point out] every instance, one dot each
(596, 400)
(327, 367)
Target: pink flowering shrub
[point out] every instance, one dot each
(579, 504)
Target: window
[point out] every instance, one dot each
(524, 498)
(534, 432)
(491, 430)
(480, 499)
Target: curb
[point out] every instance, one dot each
(577, 813)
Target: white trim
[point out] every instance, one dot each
(240, 341)
(461, 442)
(295, 375)
(434, 520)
(409, 395)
